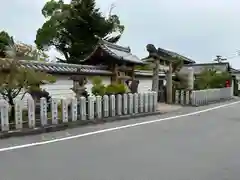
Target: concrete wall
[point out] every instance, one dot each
(61, 89)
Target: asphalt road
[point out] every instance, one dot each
(204, 146)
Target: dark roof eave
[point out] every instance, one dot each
(121, 58)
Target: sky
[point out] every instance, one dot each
(197, 29)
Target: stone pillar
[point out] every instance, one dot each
(83, 113)
(136, 103)
(99, 107)
(141, 102)
(146, 102)
(155, 82)
(119, 104)
(182, 97)
(155, 102)
(125, 104)
(91, 109)
(151, 101)
(177, 95)
(130, 103)
(105, 106)
(169, 84)
(43, 111)
(112, 105)
(64, 105)
(190, 78)
(187, 97)
(74, 109)
(54, 108)
(18, 115)
(4, 115)
(31, 113)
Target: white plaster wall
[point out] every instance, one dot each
(145, 84)
(62, 87)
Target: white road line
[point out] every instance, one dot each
(112, 129)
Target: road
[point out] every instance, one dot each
(200, 146)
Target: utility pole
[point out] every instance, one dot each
(219, 59)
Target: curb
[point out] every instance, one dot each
(71, 125)
(205, 104)
(213, 102)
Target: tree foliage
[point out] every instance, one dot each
(211, 78)
(14, 78)
(19, 50)
(73, 29)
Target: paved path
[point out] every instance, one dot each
(166, 108)
(203, 146)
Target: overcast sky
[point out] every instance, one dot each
(197, 29)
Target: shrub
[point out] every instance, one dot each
(115, 89)
(98, 88)
(37, 93)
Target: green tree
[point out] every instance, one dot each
(14, 78)
(19, 50)
(73, 29)
(211, 78)
(5, 40)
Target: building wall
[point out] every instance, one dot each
(62, 87)
(145, 84)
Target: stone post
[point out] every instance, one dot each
(135, 103)
(64, 110)
(105, 106)
(155, 82)
(151, 94)
(99, 107)
(177, 94)
(83, 114)
(31, 113)
(43, 111)
(54, 108)
(91, 109)
(125, 104)
(187, 97)
(169, 84)
(74, 109)
(4, 115)
(141, 102)
(112, 106)
(18, 115)
(146, 102)
(182, 97)
(130, 103)
(155, 101)
(119, 104)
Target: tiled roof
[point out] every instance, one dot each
(198, 68)
(119, 52)
(176, 55)
(63, 68)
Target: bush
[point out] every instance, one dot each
(37, 93)
(209, 79)
(115, 89)
(98, 88)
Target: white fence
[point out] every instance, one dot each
(202, 97)
(43, 114)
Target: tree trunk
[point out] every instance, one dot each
(169, 84)
(155, 80)
(12, 115)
